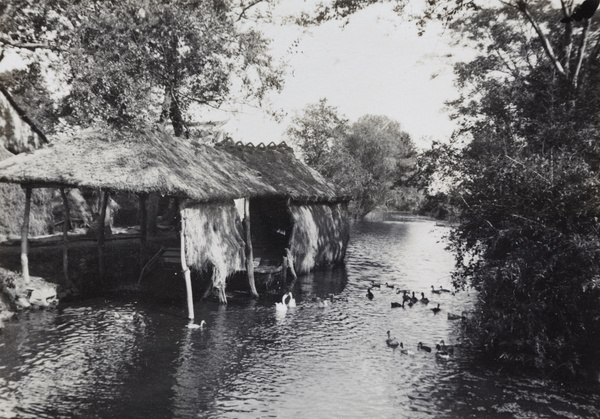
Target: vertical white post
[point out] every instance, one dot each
(248, 248)
(24, 236)
(186, 271)
(66, 225)
(102, 236)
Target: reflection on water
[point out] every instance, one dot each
(127, 358)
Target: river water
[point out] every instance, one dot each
(124, 357)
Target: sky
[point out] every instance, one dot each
(376, 64)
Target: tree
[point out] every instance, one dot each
(386, 153)
(153, 61)
(527, 157)
(316, 130)
(138, 62)
(370, 159)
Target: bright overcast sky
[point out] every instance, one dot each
(376, 64)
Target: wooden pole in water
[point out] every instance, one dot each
(248, 248)
(24, 235)
(186, 270)
(101, 236)
(66, 225)
(143, 198)
(288, 252)
(290, 260)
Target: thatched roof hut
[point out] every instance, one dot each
(270, 180)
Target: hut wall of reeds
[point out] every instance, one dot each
(213, 241)
(320, 235)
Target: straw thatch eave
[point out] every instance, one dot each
(290, 177)
(149, 161)
(152, 161)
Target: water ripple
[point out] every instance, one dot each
(123, 358)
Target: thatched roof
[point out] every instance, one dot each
(152, 161)
(279, 168)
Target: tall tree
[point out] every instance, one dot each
(153, 60)
(315, 131)
(144, 61)
(386, 153)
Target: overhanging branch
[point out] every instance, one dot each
(248, 7)
(522, 7)
(580, 54)
(22, 114)
(31, 46)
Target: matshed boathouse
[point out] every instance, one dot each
(242, 207)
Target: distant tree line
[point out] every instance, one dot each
(371, 159)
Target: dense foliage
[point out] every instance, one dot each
(371, 158)
(128, 62)
(525, 175)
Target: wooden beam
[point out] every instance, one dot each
(66, 226)
(186, 271)
(24, 235)
(248, 248)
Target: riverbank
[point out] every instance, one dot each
(17, 294)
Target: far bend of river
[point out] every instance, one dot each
(92, 359)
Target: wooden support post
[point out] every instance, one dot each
(248, 248)
(101, 236)
(186, 271)
(284, 266)
(66, 226)
(143, 198)
(290, 260)
(24, 235)
(288, 252)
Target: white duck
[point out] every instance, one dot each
(292, 302)
(282, 306)
(322, 303)
(192, 325)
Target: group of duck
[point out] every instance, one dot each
(408, 299)
(443, 351)
(288, 301)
